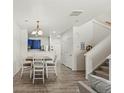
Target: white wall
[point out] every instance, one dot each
(24, 43)
(44, 41)
(99, 33)
(83, 33)
(16, 48)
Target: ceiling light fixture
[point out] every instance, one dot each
(37, 31)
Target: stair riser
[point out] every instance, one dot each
(105, 70)
(106, 64)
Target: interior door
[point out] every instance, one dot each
(67, 50)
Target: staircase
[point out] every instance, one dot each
(96, 56)
(103, 70)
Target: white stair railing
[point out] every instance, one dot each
(97, 55)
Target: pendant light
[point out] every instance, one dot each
(37, 31)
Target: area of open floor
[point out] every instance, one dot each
(65, 82)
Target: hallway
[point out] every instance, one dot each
(65, 82)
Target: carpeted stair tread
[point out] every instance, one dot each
(105, 69)
(102, 74)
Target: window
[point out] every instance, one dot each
(34, 44)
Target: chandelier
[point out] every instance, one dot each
(37, 31)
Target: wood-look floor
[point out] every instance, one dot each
(65, 82)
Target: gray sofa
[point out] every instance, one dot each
(96, 85)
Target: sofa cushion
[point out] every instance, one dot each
(99, 84)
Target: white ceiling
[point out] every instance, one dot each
(54, 14)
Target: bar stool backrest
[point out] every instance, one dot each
(38, 62)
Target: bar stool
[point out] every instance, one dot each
(38, 69)
(27, 66)
(51, 66)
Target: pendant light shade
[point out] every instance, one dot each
(37, 31)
